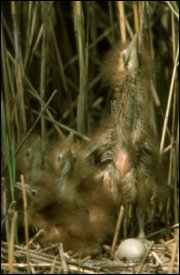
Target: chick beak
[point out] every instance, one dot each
(66, 159)
(30, 191)
(66, 162)
(131, 55)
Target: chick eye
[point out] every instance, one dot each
(74, 158)
(34, 192)
(123, 55)
(31, 193)
(60, 158)
(29, 154)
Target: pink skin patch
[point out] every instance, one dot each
(123, 161)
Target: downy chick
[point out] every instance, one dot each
(30, 158)
(69, 203)
(128, 151)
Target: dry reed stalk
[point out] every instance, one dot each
(4, 97)
(64, 127)
(136, 16)
(19, 72)
(36, 121)
(171, 89)
(26, 223)
(43, 65)
(173, 7)
(118, 226)
(11, 243)
(4, 209)
(174, 253)
(53, 268)
(49, 116)
(122, 21)
(138, 271)
(31, 22)
(36, 43)
(142, 14)
(172, 174)
(112, 21)
(63, 259)
(59, 57)
(83, 59)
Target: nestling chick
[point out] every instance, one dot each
(128, 151)
(69, 203)
(29, 160)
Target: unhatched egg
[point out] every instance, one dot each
(131, 249)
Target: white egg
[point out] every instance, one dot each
(131, 249)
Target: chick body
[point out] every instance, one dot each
(128, 150)
(69, 202)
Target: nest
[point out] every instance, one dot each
(161, 258)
